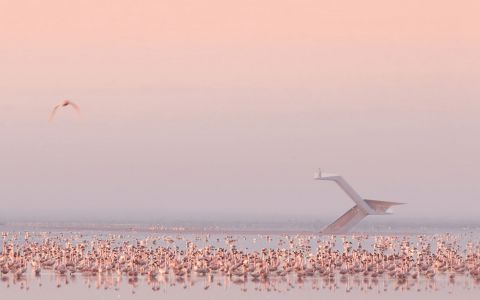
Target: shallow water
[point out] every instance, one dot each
(50, 285)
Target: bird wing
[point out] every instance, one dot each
(346, 221)
(52, 114)
(77, 108)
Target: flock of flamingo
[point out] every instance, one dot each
(335, 262)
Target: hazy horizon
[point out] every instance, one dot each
(231, 219)
(208, 109)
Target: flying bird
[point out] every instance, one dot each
(363, 208)
(63, 104)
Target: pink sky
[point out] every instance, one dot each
(229, 106)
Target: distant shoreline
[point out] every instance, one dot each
(161, 229)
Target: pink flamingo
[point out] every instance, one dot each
(63, 104)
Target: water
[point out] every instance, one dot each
(51, 285)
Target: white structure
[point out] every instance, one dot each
(363, 208)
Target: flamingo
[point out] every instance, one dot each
(63, 104)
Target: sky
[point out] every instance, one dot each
(221, 109)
